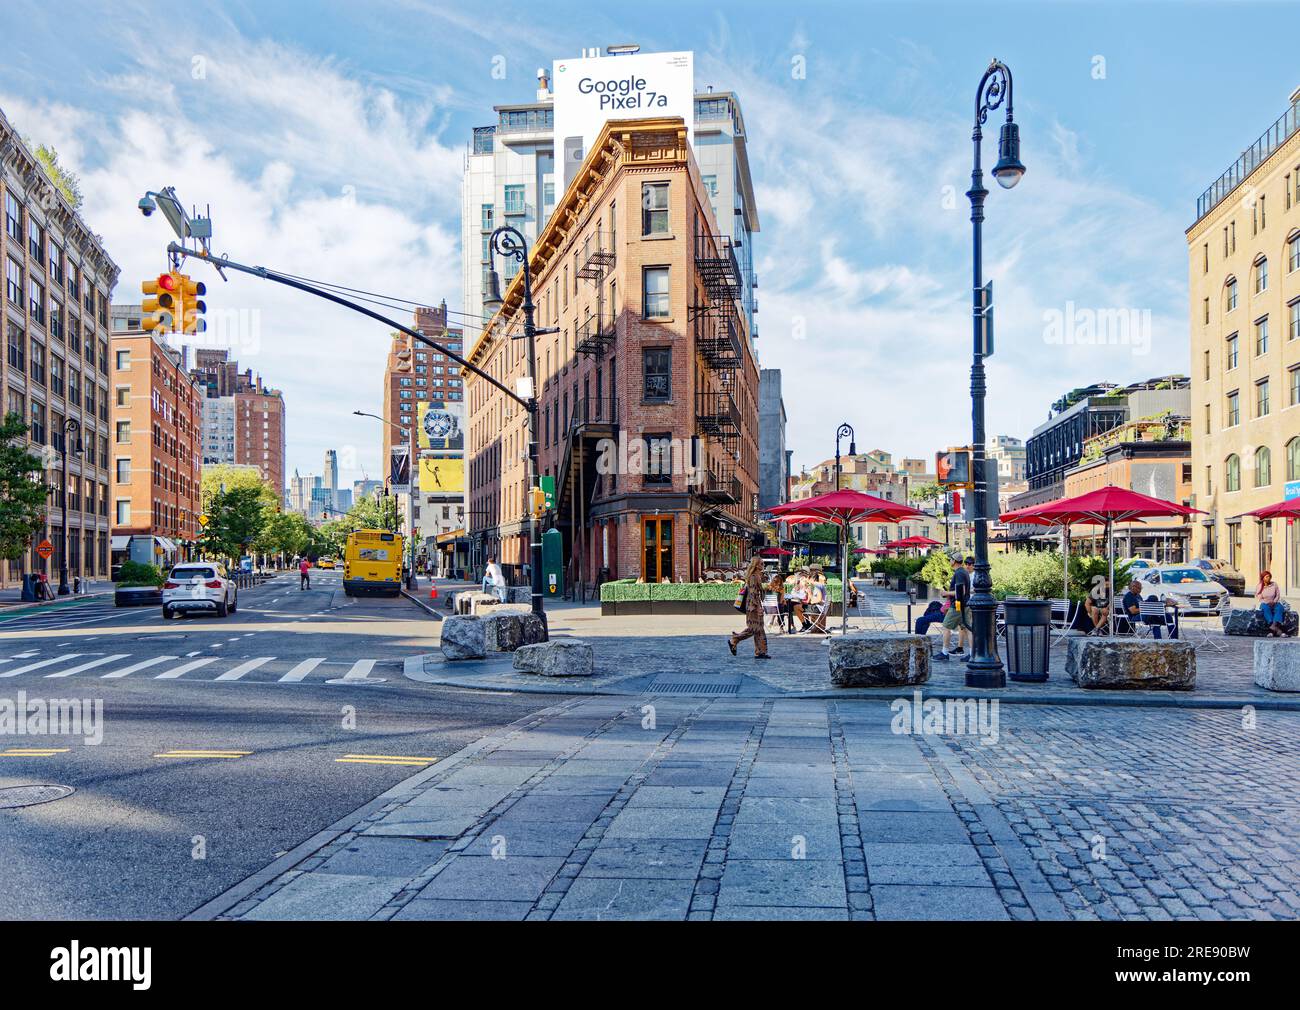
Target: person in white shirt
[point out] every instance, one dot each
(494, 580)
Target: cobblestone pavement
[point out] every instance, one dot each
(668, 807)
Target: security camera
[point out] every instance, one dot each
(146, 205)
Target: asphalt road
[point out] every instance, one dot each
(146, 836)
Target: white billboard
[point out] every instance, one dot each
(589, 92)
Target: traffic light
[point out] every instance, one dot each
(537, 497)
(158, 311)
(192, 304)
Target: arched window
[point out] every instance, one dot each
(1261, 275)
(1263, 467)
(1230, 294)
(1293, 251)
(1293, 459)
(1233, 473)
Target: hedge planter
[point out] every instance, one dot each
(625, 598)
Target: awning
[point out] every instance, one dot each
(164, 543)
(121, 543)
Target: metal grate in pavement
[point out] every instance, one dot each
(677, 683)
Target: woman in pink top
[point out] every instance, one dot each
(1269, 598)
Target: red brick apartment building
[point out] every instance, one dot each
(652, 362)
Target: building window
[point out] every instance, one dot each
(17, 348)
(485, 217)
(123, 433)
(1231, 300)
(658, 458)
(13, 282)
(123, 360)
(1293, 384)
(1293, 326)
(1293, 253)
(1234, 409)
(1232, 351)
(515, 199)
(1232, 473)
(37, 433)
(655, 300)
(38, 362)
(1261, 276)
(657, 366)
(1261, 336)
(1263, 467)
(123, 506)
(654, 208)
(1293, 459)
(124, 471)
(1261, 398)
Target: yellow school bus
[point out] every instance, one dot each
(372, 563)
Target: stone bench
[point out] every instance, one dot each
(507, 627)
(472, 601)
(1251, 623)
(879, 660)
(1277, 665)
(1131, 664)
(463, 637)
(560, 657)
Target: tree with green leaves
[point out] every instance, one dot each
(236, 518)
(22, 496)
(66, 182)
(373, 512)
(284, 533)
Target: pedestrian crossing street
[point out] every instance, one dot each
(190, 668)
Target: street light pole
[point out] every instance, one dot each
(508, 241)
(69, 426)
(845, 430)
(985, 667)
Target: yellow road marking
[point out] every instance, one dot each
(385, 759)
(33, 751)
(204, 754)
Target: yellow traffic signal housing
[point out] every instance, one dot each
(158, 311)
(537, 499)
(192, 305)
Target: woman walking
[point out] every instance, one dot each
(753, 612)
(1269, 598)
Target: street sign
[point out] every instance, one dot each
(204, 520)
(45, 549)
(548, 489)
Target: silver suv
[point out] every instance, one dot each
(199, 586)
(1187, 586)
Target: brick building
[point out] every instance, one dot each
(648, 394)
(58, 281)
(244, 420)
(156, 449)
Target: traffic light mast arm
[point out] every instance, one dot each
(221, 263)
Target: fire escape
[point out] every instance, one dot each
(716, 323)
(596, 333)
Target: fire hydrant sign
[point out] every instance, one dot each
(45, 549)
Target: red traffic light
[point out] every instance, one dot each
(166, 282)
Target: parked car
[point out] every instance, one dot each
(1221, 571)
(325, 563)
(1135, 565)
(197, 587)
(1188, 586)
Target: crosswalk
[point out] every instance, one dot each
(225, 668)
(66, 615)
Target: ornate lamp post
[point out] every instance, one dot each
(985, 667)
(845, 430)
(510, 242)
(70, 426)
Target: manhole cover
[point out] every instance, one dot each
(28, 796)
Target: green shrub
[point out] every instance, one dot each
(937, 571)
(1087, 569)
(1035, 574)
(135, 573)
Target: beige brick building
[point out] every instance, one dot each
(648, 417)
(1244, 280)
(58, 281)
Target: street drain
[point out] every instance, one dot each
(677, 684)
(12, 797)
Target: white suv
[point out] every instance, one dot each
(1185, 585)
(199, 586)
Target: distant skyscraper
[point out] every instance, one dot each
(331, 478)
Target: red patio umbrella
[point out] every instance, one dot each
(844, 508)
(1288, 510)
(1103, 507)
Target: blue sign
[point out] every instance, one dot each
(1292, 489)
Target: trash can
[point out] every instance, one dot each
(1029, 638)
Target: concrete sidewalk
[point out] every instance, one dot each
(665, 807)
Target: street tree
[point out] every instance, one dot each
(22, 496)
(372, 512)
(236, 519)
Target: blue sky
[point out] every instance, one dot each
(328, 139)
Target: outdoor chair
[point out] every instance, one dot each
(879, 616)
(1063, 615)
(772, 610)
(1000, 620)
(1153, 614)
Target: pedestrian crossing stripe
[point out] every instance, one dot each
(230, 668)
(384, 759)
(33, 751)
(204, 754)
